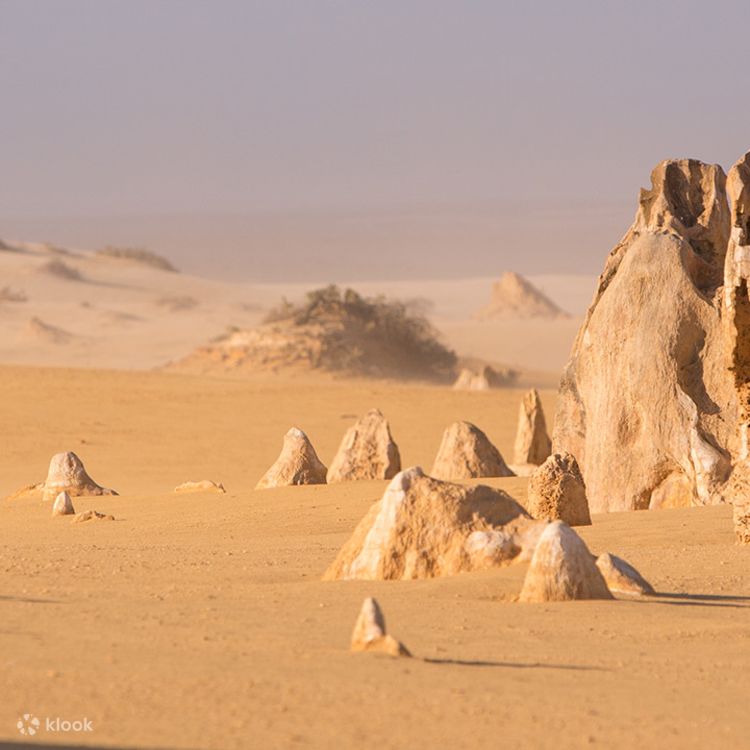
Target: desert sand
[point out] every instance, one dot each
(199, 620)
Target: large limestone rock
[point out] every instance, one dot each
(298, 463)
(737, 330)
(369, 632)
(557, 492)
(466, 453)
(532, 441)
(63, 505)
(646, 402)
(621, 577)
(423, 528)
(367, 451)
(562, 569)
(67, 474)
(513, 296)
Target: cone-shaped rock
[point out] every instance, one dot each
(67, 474)
(621, 577)
(298, 463)
(205, 485)
(533, 445)
(466, 453)
(646, 402)
(63, 505)
(370, 635)
(422, 528)
(562, 569)
(366, 452)
(737, 335)
(557, 492)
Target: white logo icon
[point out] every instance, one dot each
(28, 724)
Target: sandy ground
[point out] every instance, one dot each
(199, 621)
(120, 314)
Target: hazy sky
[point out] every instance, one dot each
(340, 139)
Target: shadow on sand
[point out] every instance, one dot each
(513, 665)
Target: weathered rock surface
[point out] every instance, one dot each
(423, 528)
(91, 515)
(562, 569)
(557, 492)
(67, 474)
(621, 577)
(370, 634)
(205, 485)
(63, 505)
(513, 296)
(298, 463)
(533, 444)
(646, 403)
(484, 379)
(466, 453)
(367, 451)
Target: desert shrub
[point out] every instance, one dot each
(139, 255)
(62, 270)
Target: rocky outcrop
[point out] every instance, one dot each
(370, 635)
(298, 463)
(621, 577)
(646, 403)
(557, 492)
(466, 453)
(91, 515)
(562, 569)
(63, 505)
(367, 451)
(423, 528)
(205, 485)
(484, 378)
(513, 296)
(67, 474)
(532, 444)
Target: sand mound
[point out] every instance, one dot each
(557, 492)
(562, 569)
(47, 333)
(336, 332)
(466, 453)
(367, 451)
(369, 632)
(60, 270)
(532, 444)
(516, 297)
(298, 463)
(423, 528)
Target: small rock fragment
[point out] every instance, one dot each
(370, 634)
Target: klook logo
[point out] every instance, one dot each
(28, 724)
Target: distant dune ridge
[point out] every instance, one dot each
(513, 296)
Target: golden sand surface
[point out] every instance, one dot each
(200, 621)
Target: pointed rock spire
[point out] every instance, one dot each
(532, 445)
(466, 453)
(621, 577)
(67, 474)
(366, 452)
(63, 505)
(562, 569)
(370, 635)
(298, 463)
(557, 492)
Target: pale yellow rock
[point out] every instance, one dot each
(484, 379)
(91, 515)
(205, 485)
(63, 505)
(367, 451)
(298, 463)
(67, 474)
(562, 569)
(621, 577)
(370, 634)
(513, 296)
(466, 453)
(647, 405)
(423, 528)
(533, 444)
(557, 492)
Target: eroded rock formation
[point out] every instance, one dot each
(621, 577)
(205, 485)
(532, 444)
(370, 634)
(67, 474)
(298, 463)
(557, 492)
(63, 505)
(466, 453)
(367, 451)
(423, 528)
(513, 296)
